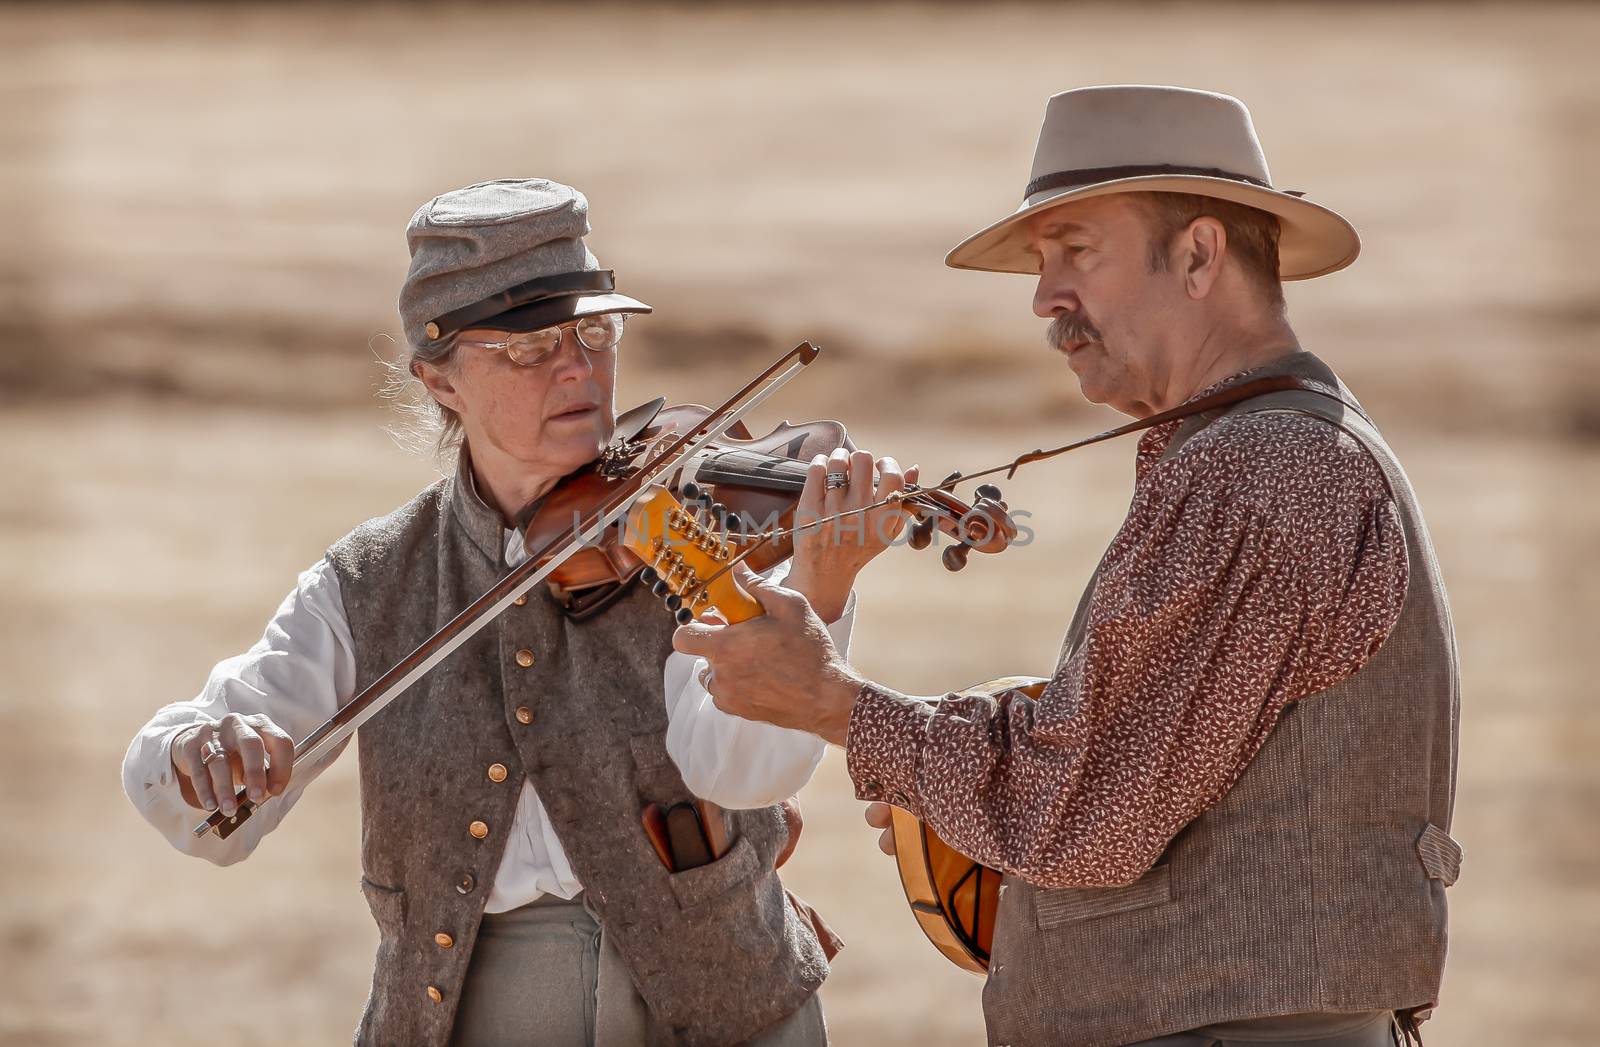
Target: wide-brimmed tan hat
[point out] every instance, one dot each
(1102, 140)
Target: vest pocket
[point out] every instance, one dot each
(693, 887)
(656, 777)
(1056, 906)
(1441, 856)
(388, 905)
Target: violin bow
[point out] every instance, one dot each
(472, 618)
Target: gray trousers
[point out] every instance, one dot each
(546, 975)
(1372, 1029)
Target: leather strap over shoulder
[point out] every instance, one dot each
(1294, 392)
(1214, 404)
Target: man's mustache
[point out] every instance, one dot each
(1071, 329)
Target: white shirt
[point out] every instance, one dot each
(303, 669)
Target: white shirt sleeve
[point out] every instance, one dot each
(734, 762)
(299, 673)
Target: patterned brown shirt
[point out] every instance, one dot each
(1261, 563)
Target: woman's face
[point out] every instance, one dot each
(551, 417)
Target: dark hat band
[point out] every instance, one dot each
(1093, 175)
(557, 285)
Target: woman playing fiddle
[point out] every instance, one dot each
(517, 896)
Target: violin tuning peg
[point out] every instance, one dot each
(683, 616)
(989, 491)
(953, 476)
(734, 522)
(648, 575)
(692, 492)
(660, 587)
(955, 557)
(719, 511)
(674, 601)
(921, 534)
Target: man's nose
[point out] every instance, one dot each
(1056, 292)
(1052, 297)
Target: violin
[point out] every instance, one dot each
(736, 498)
(656, 455)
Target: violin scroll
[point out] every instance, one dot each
(985, 527)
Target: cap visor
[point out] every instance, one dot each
(554, 311)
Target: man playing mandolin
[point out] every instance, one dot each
(518, 895)
(1224, 819)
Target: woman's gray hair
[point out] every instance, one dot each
(426, 426)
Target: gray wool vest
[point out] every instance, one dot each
(1316, 884)
(716, 952)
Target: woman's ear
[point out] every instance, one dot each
(437, 380)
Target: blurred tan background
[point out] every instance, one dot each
(201, 234)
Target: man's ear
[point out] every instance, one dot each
(437, 381)
(1205, 243)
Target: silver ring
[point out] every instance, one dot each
(213, 751)
(836, 481)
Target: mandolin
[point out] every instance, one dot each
(953, 898)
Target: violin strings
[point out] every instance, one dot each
(947, 485)
(783, 532)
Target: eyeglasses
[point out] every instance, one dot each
(598, 334)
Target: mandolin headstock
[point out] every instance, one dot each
(681, 552)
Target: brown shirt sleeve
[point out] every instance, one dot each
(1263, 562)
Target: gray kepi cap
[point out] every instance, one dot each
(507, 254)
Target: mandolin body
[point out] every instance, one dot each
(953, 898)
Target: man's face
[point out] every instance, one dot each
(1109, 313)
(552, 417)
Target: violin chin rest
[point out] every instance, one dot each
(633, 422)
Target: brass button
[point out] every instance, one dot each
(524, 714)
(497, 772)
(519, 601)
(443, 940)
(434, 994)
(525, 658)
(432, 330)
(478, 830)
